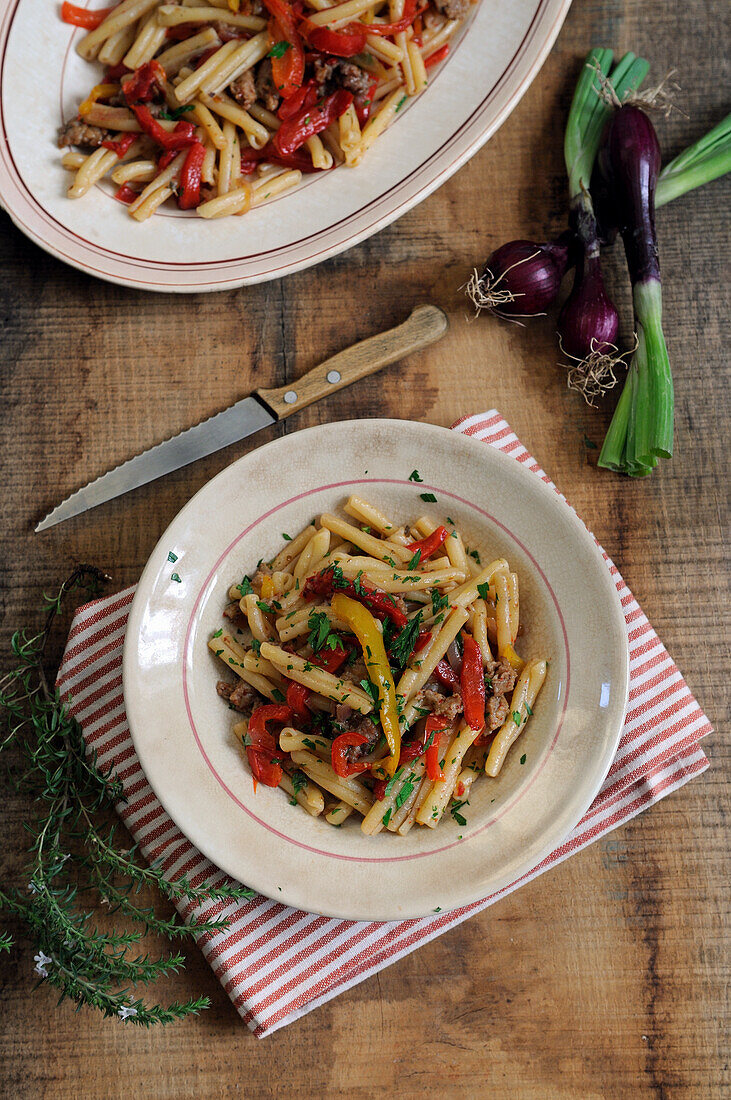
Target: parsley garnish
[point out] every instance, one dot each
(454, 810)
(516, 717)
(245, 587)
(428, 498)
(438, 602)
(414, 563)
(529, 709)
(387, 816)
(400, 103)
(175, 577)
(256, 646)
(279, 49)
(321, 634)
(392, 782)
(370, 689)
(405, 790)
(523, 758)
(483, 591)
(174, 113)
(265, 607)
(299, 780)
(474, 554)
(403, 646)
(279, 695)
(488, 684)
(414, 476)
(286, 537)
(172, 557)
(218, 633)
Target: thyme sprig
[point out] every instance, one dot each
(75, 851)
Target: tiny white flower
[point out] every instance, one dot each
(42, 963)
(126, 1010)
(32, 888)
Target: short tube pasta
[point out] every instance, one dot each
(343, 678)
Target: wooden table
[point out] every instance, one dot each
(603, 978)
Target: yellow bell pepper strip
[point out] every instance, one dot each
(509, 654)
(365, 628)
(99, 91)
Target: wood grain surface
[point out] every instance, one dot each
(605, 978)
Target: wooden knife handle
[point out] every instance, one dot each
(425, 325)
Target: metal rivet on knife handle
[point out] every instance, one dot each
(425, 325)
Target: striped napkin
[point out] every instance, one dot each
(277, 963)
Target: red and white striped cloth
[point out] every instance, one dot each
(277, 963)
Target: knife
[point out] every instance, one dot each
(264, 407)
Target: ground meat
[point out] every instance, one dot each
(503, 677)
(371, 732)
(240, 696)
(235, 615)
(444, 706)
(333, 72)
(266, 89)
(496, 712)
(357, 671)
(453, 9)
(243, 89)
(262, 570)
(77, 132)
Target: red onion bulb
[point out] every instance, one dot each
(521, 278)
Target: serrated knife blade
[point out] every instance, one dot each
(425, 325)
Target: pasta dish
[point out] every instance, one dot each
(222, 104)
(375, 669)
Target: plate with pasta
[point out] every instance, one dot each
(376, 669)
(204, 144)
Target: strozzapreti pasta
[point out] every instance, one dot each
(224, 104)
(375, 667)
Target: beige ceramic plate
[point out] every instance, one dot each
(472, 93)
(182, 730)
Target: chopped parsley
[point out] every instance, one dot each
(400, 103)
(414, 476)
(523, 758)
(516, 717)
(172, 114)
(268, 609)
(371, 690)
(392, 782)
(403, 645)
(387, 816)
(405, 791)
(279, 695)
(245, 587)
(286, 537)
(455, 808)
(488, 684)
(484, 591)
(321, 634)
(219, 632)
(414, 563)
(279, 49)
(176, 578)
(428, 498)
(474, 554)
(529, 709)
(299, 781)
(438, 602)
(256, 646)
(172, 557)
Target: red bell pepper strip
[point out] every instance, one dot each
(82, 17)
(389, 29)
(126, 194)
(297, 696)
(445, 674)
(114, 72)
(364, 104)
(340, 43)
(341, 765)
(330, 660)
(309, 121)
(437, 56)
(262, 747)
(379, 789)
(378, 603)
(423, 640)
(190, 178)
(121, 146)
(205, 55)
(181, 137)
(181, 32)
(166, 158)
(144, 83)
(306, 96)
(302, 161)
(288, 70)
(430, 544)
(434, 728)
(472, 682)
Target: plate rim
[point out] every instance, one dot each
(79, 256)
(141, 599)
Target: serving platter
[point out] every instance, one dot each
(182, 731)
(499, 52)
